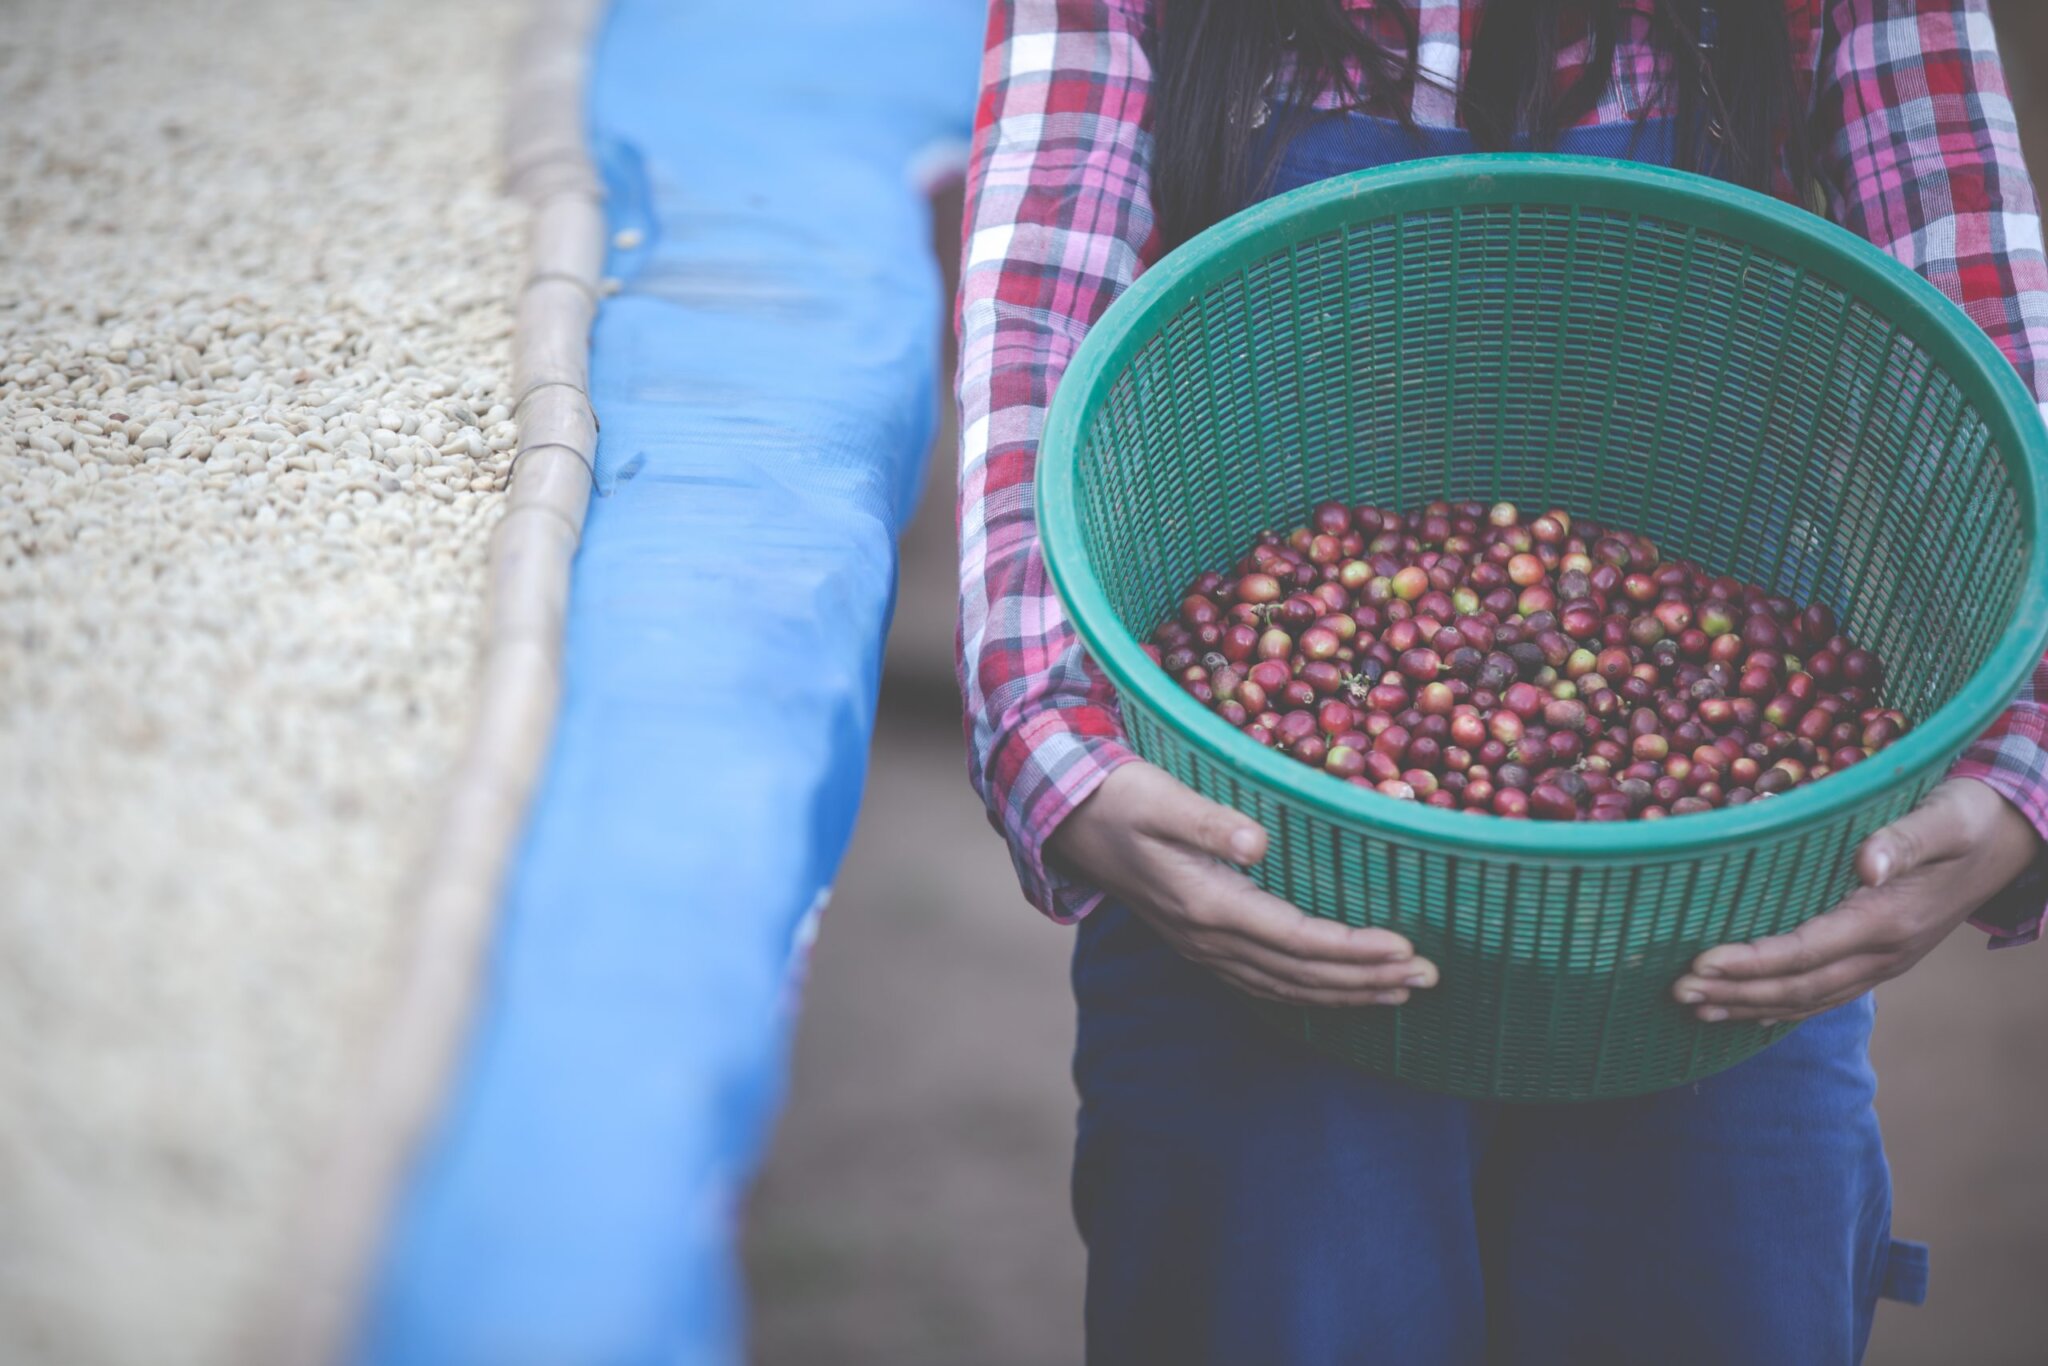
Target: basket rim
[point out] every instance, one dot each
(1857, 267)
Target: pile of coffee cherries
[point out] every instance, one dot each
(1474, 659)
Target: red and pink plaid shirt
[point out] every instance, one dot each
(1919, 153)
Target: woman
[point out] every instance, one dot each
(1243, 1202)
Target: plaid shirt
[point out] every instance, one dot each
(1919, 154)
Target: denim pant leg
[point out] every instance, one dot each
(1744, 1220)
(1246, 1202)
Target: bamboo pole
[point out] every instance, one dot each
(308, 1318)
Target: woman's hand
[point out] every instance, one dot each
(1922, 877)
(1154, 844)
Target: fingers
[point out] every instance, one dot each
(1256, 983)
(1230, 904)
(1174, 811)
(1939, 828)
(1862, 924)
(1216, 916)
(1785, 997)
(1323, 974)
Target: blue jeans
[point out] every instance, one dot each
(1248, 1203)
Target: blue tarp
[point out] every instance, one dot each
(765, 386)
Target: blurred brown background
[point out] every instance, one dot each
(914, 1210)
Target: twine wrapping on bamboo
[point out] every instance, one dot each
(307, 1318)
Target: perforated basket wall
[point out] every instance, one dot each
(1749, 385)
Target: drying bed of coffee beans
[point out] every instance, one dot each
(257, 288)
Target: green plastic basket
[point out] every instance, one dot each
(1756, 389)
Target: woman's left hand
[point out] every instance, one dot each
(1922, 877)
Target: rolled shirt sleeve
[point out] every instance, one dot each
(1920, 154)
(1058, 223)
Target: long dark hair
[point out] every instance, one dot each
(1235, 76)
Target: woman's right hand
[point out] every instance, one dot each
(1154, 844)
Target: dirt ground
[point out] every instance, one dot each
(914, 1209)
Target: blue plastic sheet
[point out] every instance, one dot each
(765, 386)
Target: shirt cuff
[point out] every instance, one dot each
(2013, 762)
(1042, 770)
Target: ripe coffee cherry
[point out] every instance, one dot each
(1258, 588)
(1674, 617)
(1420, 665)
(1549, 803)
(1564, 714)
(1344, 761)
(1861, 668)
(1238, 643)
(1816, 624)
(1423, 752)
(1436, 699)
(1271, 674)
(1757, 683)
(1725, 650)
(1525, 700)
(1323, 677)
(1295, 725)
(1411, 583)
(1469, 731)
(1386, 697)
